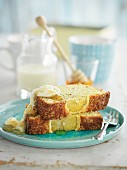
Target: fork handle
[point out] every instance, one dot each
(101, 134)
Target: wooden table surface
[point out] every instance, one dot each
(109, 155)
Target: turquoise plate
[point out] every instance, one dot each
(72, 139)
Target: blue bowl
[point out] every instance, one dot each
(93, 47)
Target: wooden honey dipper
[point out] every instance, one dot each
(77, 75)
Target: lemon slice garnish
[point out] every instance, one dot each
(44, 91)
(77, 105)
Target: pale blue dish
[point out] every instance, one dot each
(86, 48)
(72, 139)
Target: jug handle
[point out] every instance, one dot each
(1, 64)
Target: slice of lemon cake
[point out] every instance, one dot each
(57, 102)
(85, 121)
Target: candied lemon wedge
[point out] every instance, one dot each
(45, 91)
(77, 105)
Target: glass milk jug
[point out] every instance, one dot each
(36, 66)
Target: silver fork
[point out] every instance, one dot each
(112, 119)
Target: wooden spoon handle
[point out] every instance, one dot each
(42, 23)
